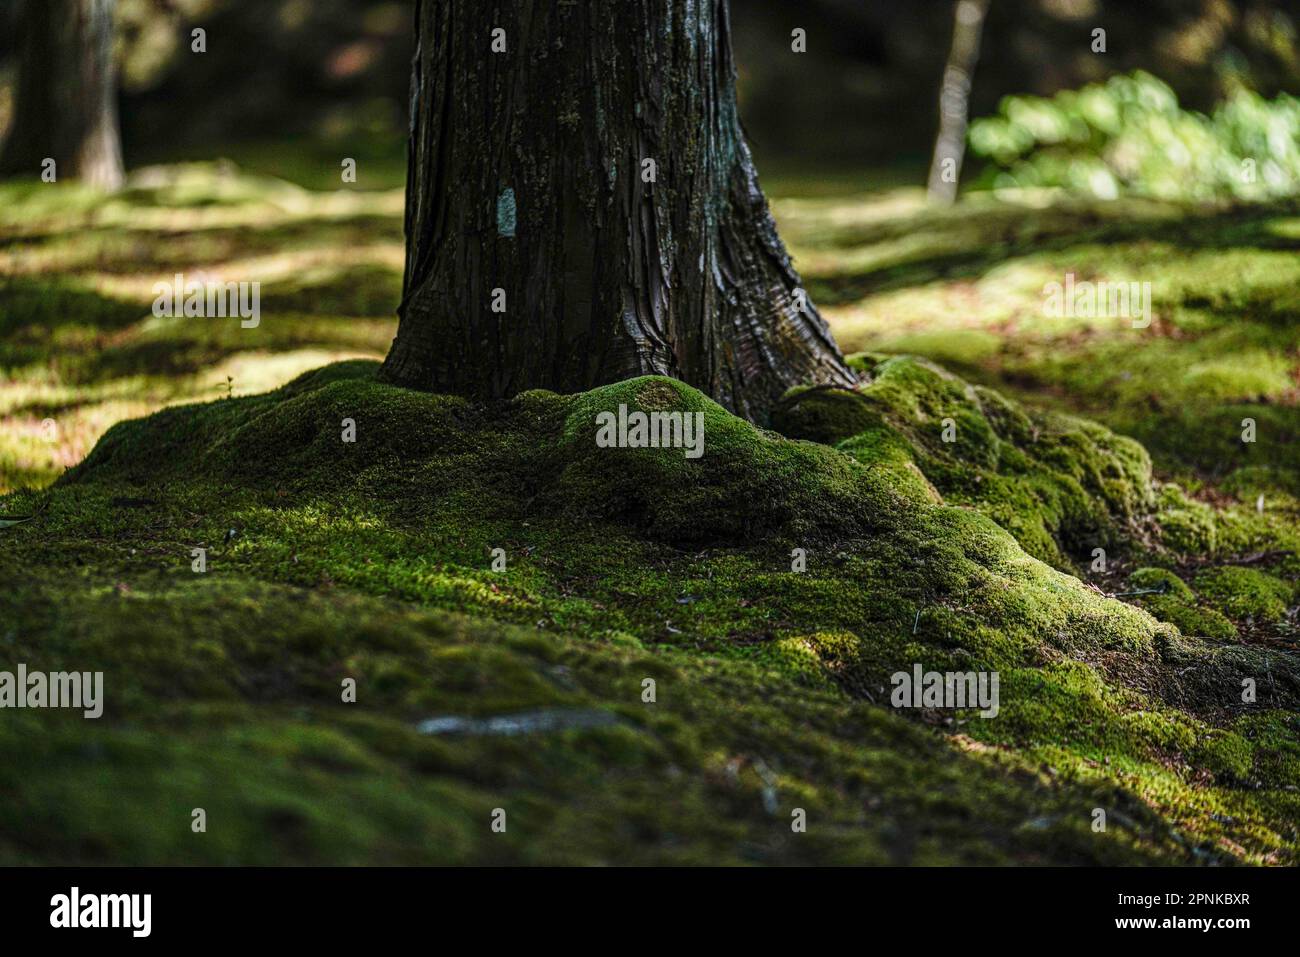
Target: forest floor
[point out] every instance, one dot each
(630, 574)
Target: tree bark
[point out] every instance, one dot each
(528, 174)
(954, 99)
(66, 107)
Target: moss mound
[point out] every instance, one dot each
(1245, 592)
(421, 459)
(1062, 486)
(475, 569)
(1168, 598)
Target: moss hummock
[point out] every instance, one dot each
(374, 560)
(1062, 486)
(1246, 593)
(1168, 598)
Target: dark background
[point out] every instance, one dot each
(864, 94)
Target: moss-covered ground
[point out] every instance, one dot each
(992, 512)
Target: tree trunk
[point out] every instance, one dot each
(66, 107)
(595, 175)
(954, 99)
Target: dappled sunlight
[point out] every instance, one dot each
(292, 268)
(34, 453)
(969, 287)
(841, 433)
(77, 282)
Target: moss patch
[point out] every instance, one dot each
(377, 561)
(373, 561)
(1245, 592)
(1061, 486)
(1168, 598)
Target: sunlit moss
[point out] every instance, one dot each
(373, 560)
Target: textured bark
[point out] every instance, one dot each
(606, 276)
(954, 97)
(66, 107)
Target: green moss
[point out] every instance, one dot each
(965, 287)
(255, 732)
(886, 451)
(373, 560)
(1061, 486)
(1186, 526)
(330, 560)
(1276, 746)
(822, 415)
(1163, 580)
(1175, 603)
(1225, 754)
(747, 483)
(1245, 592)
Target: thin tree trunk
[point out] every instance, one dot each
(528, 174)
(66, 106)
(954, 99)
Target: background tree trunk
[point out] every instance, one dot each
(954, 98)
(66, 107)
(526, 175)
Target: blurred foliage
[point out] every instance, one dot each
(867, 90)
(1130, 136)
(865, 93)
(150, 36)
(327, 70)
